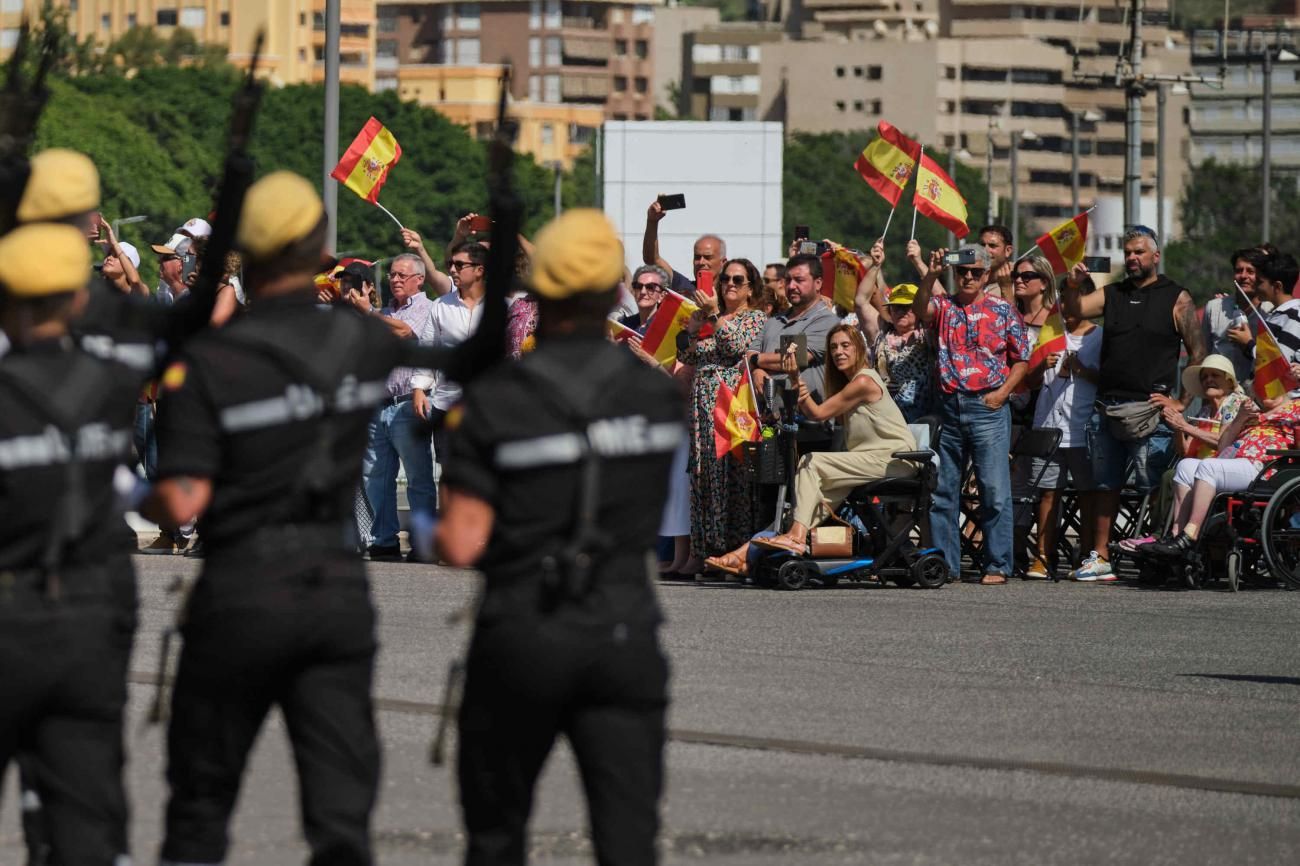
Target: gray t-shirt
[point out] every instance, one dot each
(816, 323)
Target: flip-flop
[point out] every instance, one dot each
(993, 580)
(775, 543)
(724, 564)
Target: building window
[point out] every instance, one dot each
(224, 20)
(620, 48)
(643, 13)
(620, 83)
(467, 51)
(839, 105)
(535, 88)
(548, 134)
(857, 72)
(535, 15)
(553, 15)
(858, 105)
(551, 89)
(534, 51)
(106, 22)
(874, 73)
(302, 55)
(554, 51)
(467, 16)
(875, 106)
(619, 115)
(642, 85)
(642, 49)
(166, 18)
(386, 23)
(130, 20)
(382, 84)
(839, 71)
(386, 48)
(8, 37)
(194, 17)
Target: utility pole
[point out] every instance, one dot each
(1161, 96)
(330, 188)
(1266, 142)
(1015, 191)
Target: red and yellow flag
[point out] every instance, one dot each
(937, 198)
(842, 270)
(887, 163)
(735, 417)
(660, 337)
(618, 332)
(1064, 245)
(1273, 376)
(1051, 337)
(364, 167)
(1204, 450)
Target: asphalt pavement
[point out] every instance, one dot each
(1034, 723)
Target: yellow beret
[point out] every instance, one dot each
(63, 183)
(44, 259)
(576, 252)
(279, 210)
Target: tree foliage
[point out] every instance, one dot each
(823, 190)
(1220, 212)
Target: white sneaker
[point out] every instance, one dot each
(1093, 568)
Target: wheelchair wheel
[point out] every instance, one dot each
(1280, 534)
(930, 571)
(1233, 566)
(794, 574)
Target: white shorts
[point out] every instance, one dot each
(1225, 475)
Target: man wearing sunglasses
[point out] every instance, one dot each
(1147, 319)
(983, 354)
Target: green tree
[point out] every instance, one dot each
(1220, 212)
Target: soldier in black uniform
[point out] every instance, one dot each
(65, 631)
(261, 428)
(556, 482)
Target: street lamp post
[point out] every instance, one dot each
(1266, 143)
(1016, 137)
(1077, 117)
(329, 186)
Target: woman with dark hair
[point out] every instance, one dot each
(724, 504)
(873, 430)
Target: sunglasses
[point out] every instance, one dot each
(1143, 230)
(970, 273)
(649, 287)
(1026, 276)
(456, 266)
(734, 279)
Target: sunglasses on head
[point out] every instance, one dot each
(1143, 230)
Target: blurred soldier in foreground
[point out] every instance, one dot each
(67, 605)
(261, 433)
(555, 485)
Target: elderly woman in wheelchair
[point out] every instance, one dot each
(874, 429)
(1243, 450)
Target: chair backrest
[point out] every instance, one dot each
(1036, 443)
(925, 431)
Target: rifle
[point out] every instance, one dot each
(20, 111)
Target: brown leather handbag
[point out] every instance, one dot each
(833, 539)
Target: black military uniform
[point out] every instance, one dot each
(571, 447)
(273, 409)
(65, 623)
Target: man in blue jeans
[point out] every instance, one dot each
(983, 354)
(399, 430)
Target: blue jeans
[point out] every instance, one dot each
(1112, 458)
(146, 442)
(973, 430)
(396, 434)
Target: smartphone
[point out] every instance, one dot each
(800, 343)
(1097, 264)
(704, 282)
(676, 201)
(960, 257)
(480, 224)
(802, 233)
(809, 248)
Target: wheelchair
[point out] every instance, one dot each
(1251, 537)
(884, 516)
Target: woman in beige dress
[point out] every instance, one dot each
(873, 430)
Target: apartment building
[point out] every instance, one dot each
(721, 70)
(1227, 122)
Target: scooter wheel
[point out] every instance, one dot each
(930, 571)
(794, 574)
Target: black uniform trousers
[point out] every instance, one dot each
(602, 685)
(63, 667)
(304, 641)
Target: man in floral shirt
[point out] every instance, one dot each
(983, 354)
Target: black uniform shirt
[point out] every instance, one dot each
(238, 416)
(514, 447)
(133, 330)
(34, 456)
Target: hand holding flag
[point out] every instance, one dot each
(735, 416)
(1064, 246)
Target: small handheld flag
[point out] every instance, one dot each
(842, 270)
(937, 198)
(887, 163)
(1064, 246)
(620, 333)
(1273, 376)
(735, 417)
(1051, 337)
(660, 337)
(365, 165)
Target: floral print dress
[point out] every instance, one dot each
(907, 366)
(724, 503)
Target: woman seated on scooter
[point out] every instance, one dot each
(873, 430)
(1243, 449)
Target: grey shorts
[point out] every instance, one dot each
(1073, 464)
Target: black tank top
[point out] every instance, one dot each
(1139, 343)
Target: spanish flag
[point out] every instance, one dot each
(618, 332)
(660, 337)
(735, 417)
(1064, 245)
(1051, 337)
(1273, 376)
(937, 197)
(1204, 450)
(364, 167)
(842, 270)
(887, 163)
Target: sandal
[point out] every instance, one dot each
(993, 580)
(781, 542)
(728, 563)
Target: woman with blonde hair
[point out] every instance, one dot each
(873, 430)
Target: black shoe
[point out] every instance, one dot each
(384, 553)
(1173, 547)
(413, 556)
(196, 550)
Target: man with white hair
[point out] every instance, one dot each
(708, 254)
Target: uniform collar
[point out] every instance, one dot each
(288, 301)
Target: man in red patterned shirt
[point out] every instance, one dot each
(983, 354)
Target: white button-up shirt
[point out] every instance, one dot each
(451, 323)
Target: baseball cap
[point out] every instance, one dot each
(903, 293)
(131, 253)
(195, 228)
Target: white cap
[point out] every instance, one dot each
(130, 252)
(196, 228)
